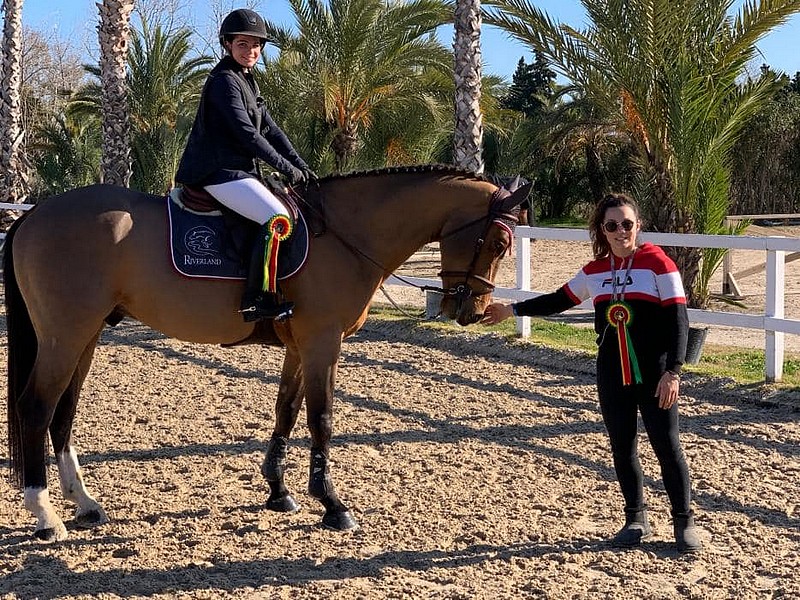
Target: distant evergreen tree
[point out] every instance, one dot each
(531, 85)
(765, 165)
(793, 86)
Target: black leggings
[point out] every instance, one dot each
(619, 405)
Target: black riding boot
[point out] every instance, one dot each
(258, 304)
(636, 529)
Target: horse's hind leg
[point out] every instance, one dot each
(287, 407)
(52, 373)
(89, 513)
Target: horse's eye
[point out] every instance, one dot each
(499, 246)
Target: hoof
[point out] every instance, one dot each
(284, 503)
(339, 521)
(91, 518)
(51, 534)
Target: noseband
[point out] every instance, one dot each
(496, 217)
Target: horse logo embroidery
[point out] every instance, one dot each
(201, 241)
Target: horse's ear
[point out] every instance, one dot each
(517, 197)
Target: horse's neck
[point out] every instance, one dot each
(390, 223)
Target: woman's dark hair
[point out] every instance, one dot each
(600, 247)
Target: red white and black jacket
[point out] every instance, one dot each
(654, 292)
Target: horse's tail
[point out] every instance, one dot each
(22, 348)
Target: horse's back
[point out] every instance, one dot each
(102, 250)
(86, 226)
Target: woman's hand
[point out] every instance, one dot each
(496, 312)
(667, 389)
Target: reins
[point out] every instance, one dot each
(462, 290)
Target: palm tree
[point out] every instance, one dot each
(164, 84)
(113, 34)
(12, 187)
(667, 73)
(350, 60)
(500, 126)
(468, 138)
(67, 152)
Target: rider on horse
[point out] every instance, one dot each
(232, 131)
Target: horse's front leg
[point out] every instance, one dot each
(287, 407)
(319, 370)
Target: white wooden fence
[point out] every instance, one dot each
(772, 321)
(9, 206)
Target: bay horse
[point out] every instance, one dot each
(92, 256)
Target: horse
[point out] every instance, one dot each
(88, 258)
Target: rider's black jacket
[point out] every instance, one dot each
(231, 130)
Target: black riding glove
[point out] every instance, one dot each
(295, 175)
(309, 174)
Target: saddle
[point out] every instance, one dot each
(210, 241)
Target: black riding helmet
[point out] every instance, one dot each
(243, 21)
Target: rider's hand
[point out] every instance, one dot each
(309, 174)
(295, 175)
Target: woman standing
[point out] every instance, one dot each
(231, 132)
(642, 326)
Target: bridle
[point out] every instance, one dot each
(496, 217)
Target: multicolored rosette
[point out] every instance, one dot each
(620, 315)
(279, 228)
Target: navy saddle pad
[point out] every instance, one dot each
(215, 246)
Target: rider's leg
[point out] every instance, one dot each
(251, 199)
(248, 197)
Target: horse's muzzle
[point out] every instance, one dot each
(464, 311)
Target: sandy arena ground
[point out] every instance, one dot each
(476, 467)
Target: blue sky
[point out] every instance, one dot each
(76, 22)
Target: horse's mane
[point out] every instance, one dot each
(424, 168)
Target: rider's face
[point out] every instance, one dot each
(246, 50)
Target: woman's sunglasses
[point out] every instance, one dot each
(611, 226)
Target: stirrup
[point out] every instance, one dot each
(261, 308)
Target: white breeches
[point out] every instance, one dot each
(248, 197)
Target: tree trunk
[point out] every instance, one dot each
(344, 145)
(665, 217)
(13, 177)
(594, 171)
(114, 34)
(468, 134)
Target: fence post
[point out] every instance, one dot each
(774, 307)
(433, 304)
(727, 266)
(523, 279)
